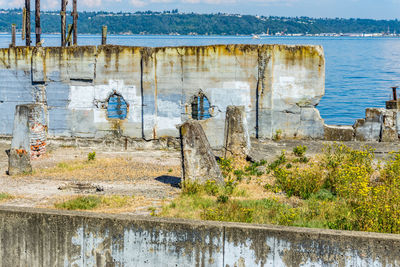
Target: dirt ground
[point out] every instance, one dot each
(151, 175)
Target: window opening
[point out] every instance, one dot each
(117, 108)
(200, 107)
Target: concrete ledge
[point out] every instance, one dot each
(338, 133)
(37, 237)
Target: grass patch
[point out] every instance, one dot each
(5, 196)
(80, 203)
(114, 202)
(342, 188)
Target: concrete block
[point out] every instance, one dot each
(198, 161)
(338, 132)
(367, 130)
(19, 160)
(237, 140)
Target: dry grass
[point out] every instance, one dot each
(105, 169)
(5, 197)
(105, 204)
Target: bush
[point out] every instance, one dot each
(191, 187)
(92, 156)
(299, 151)
(299, 182)
(211, 188)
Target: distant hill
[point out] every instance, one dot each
(173, 22)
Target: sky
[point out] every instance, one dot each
(375, 9)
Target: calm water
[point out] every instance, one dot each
(359, 71)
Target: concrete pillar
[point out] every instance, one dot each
(19, 160)
(29, 138)
(198, 160)
(236, 139)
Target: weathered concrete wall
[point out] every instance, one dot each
(278, 85)
(50, 238)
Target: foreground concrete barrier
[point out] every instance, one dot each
(237, 140)
(198, 161)
(35, 237)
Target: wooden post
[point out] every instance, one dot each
(63, 22)
(69, 34)
(23, 33)
(13, 30)
(28, 22)
(104, 36)
(38, 29)
(75, 21)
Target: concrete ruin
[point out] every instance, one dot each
(236, 138)
(160, 88)
(198, 161)
(145, 93)
(29, 138)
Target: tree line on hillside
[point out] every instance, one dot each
(173, 22)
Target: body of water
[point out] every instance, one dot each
(359, 71)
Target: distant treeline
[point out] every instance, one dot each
(172, 22)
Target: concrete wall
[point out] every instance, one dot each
(278, 85)
(50, 238)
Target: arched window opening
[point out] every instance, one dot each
(200, 107)
(117, 108)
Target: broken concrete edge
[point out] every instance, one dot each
(316, 232)
(199, 164)
(236, 135)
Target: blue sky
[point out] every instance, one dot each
(377, 9)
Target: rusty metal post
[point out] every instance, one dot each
(75, 21)
(28, 22)
(394, 88)
(13, 32)
(38, 29)
(63, 22)
(104, 36)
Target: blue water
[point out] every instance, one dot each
(359, 71)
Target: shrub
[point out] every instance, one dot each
(278, 135)
(92, 156)
(299, 182)
(299, 151)
(226, 166)
(191, 187)
(222, 199)
(281, 159)
(211, 188)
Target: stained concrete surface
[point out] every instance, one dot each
(39, 237)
